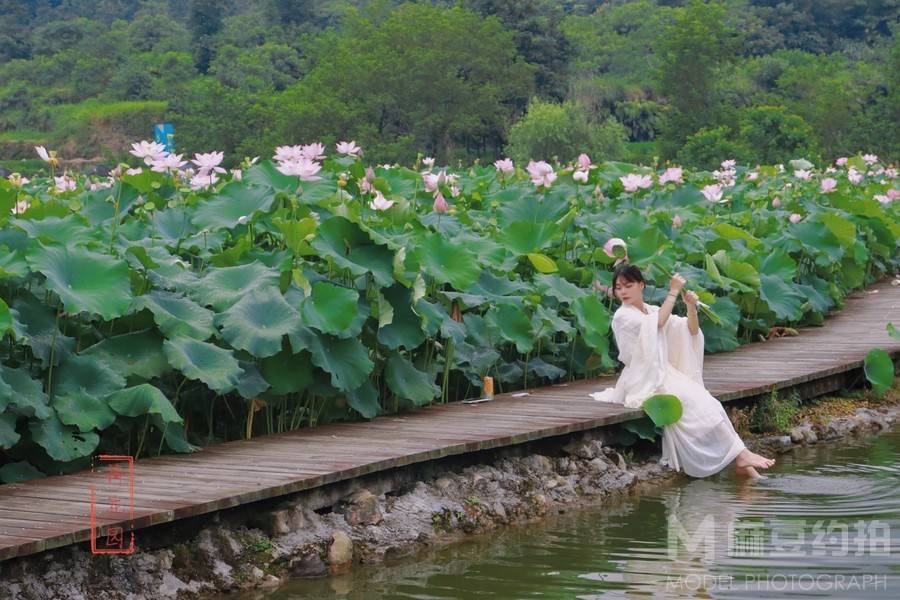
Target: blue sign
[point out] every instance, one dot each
(164, 133)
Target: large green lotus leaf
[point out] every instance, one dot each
(70, 230)
(99, 205)
(345, 360)
(330, 308)
(741, 272)
(720, 337)
(783, 298)
(258, 322)
(843, 229)
(91, 374)
(177, 316)
(663, 409)
(235, 200)
(173, 224)
(349, 247)
(364, 400)
(593, 322)
(732, 232)
(434, 318)
(526, 237)
(514, 325)
(558, 287)
(251, 382)
(15, 472)
(8, 323)
(222, 287)
(266, 174)
(143, 399)
(62, 442)
(214, 366)
(297, 234)
(84, 411)
(173, 433)
(9, 437)
(643, 428)
(547, 321)
(405, 329)
(851, 273)
(23, 394)
(139, 353)
(287, 372)
(408, 382)
(529, 206)
(86, 281)
(648, 247)
(778, 263)
(879, 370)
(542, 368)
(448, 262)
(12, 263)
(820, 301)
(819, 238)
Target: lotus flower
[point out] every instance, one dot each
(713, 193)
(203, 180)
(841, 161)
(440, 204)
(64, 183)
(288, 153)
(380, 202)
(148, 151)
(454, 191)
(209, 162)
(20, 207)
(673, 175)
(752, 176)
(432, 181)
(870, 159)
(134, 171)
(854, 176)
(581, 176)
(803, 174)
(17, 180)
(348, 148)
(505, 165)
(795, 218)
(584, 162)
(541, 173)
(47, 157)
(776, 202)
(883, 198)
(314, 151)
(303, 168)
(828, 185)
(891, 173)
(676, 221)
(167, 163)
(237, 175)
(893, 194)
(632, 182)
(728, 164)
(428, 161)
(610, 247)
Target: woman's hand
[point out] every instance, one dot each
(677, 283)
(690, 299)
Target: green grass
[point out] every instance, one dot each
(26, 166)
(23, 135)
(641, 152)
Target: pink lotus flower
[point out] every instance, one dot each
(237, 175)
(893, 194)
(828, 185)
(167, 163)
(752, 176)
(676, 221)
(802, 174)
(134, 171)
(454, 191)
(202, 181)
(795, 218)
(440, 204)
(581, 176)
(776, 202)
(884, 199)
(841, 161)
(428, 161)
(380, 202)
(890, 173)
(348, 148)
(632, 182)
(584, 162)
(209, 162)
(610, 247)
(541, 173)
(854, 176)
(148, 151)
(20, 207)
(17, 180)
(870, 159)
(728, 164)
(314, 151)
(505, 165)
(303, 168)
(432, 180)
(672, 174)
(47, 156)
(364, 186)
(288, 153)
(64, 183)
(712, 193)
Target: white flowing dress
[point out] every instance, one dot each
(669, 360)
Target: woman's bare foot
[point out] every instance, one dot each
(748, 471)
(751, 459)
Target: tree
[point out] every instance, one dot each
(776, 136)
(204, 21)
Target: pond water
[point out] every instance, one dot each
(825, 523)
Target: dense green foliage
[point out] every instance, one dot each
(763, 80)
(139, 312)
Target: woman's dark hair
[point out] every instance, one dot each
(627, 272)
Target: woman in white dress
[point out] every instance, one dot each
(663, 354)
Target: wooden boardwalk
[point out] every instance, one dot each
(54, 511)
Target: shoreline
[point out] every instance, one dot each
(243, 550)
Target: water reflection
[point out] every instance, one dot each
(825, 523)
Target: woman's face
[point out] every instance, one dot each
(628, 291)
